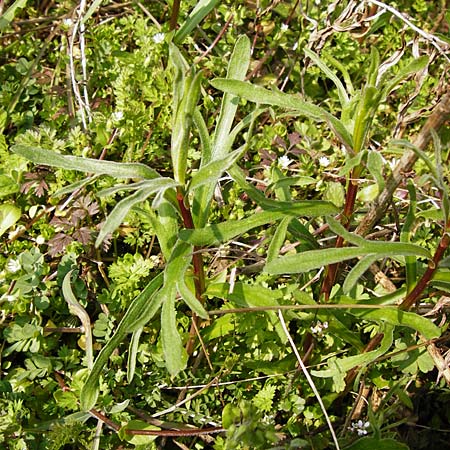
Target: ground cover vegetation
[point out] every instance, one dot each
(225, 225)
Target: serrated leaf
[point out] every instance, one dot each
(45, 157)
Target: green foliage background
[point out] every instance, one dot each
(100, 173)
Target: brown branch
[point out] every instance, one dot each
(426, 277)
(438, 117)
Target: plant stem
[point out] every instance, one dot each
(346, 216)
(197, 262)
(411, 298)
(174, 15)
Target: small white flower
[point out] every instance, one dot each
(40, 240)
(324, 161)
(284, 161)
(295, 47)
(158, 38)
(284, 27)
(68, 22)
(319, 327)
(117, 116)
(13, 266)
(360, 427)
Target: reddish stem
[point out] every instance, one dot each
(197, 262)
(426, 277)
(346, 216)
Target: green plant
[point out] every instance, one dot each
(224, 240)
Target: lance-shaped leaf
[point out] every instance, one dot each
(183, 116)
(357, 272)
(223, 139)
(314, 259)
(191, 300)
(174, 354)
(201, 10)
(222, 232)
(45, 157)
(141, 310)
(76, 309)
(211, 172)
(343, 96)
(258, 94)
(398, 317)
(132, 353)
(118, 214)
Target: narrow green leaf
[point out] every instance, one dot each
(184, 112)
(191, 300)
(223, 139)
(314, 259)
(8, 16)
(174, 353)
(339, 229)
(337, 368)
(278, 239)
(375, 166)
(368, 104)
(45, 157)
(357, 272)
(258, 94)
(76, 309)
(75, 186)
(152, 186)
(405, 236)
(211, 172)
(414, 66)
(203, 133)
(237, 69)
(214, 234)
(118, 214)
(132, 353)
(141, 310)
(343, 96)
(165, 224)
(397, 317)
(201, 10)
(95, 4)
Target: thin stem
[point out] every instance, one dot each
(426, 277)
(174, 16)
(308, 378)
(346, 216)
(197, 262)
